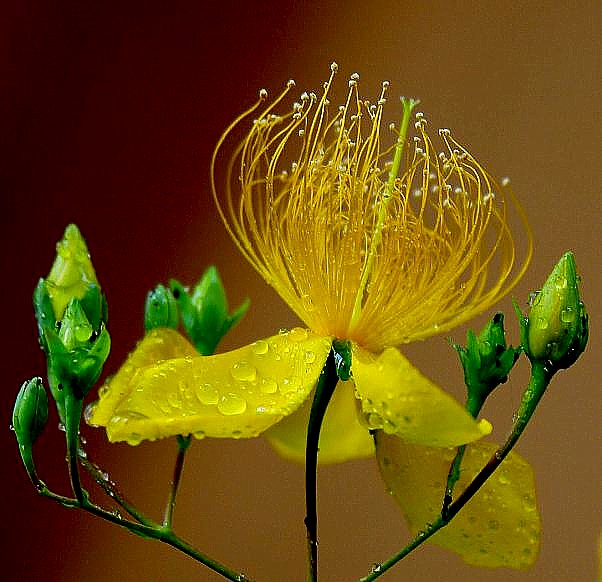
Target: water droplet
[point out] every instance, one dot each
(207, 394)
(268, 385)
(199, 434)
(134, 439)
(542, 323)
(103, 391)
(231, 404)
(298, 334)
(309, 357)
(260, 347)
(89, 413)
(289, 385)
(567, 315)
(243, 371)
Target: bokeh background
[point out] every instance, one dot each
(109, 114)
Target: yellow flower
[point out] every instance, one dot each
(360, 252)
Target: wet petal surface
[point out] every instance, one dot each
(499, 526)
(397, 398)
(236, 394)
(342, 437)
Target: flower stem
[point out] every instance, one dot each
(408, 106)
(540, 378)
(148, 529)
(102, 479)
(324, 389)
(73, 413)
(183, 444)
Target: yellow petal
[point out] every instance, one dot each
(342, 437)
(157, 345)
(397, 398)
(499, 526)
(236, 394)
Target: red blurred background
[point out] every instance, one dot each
(109, 115)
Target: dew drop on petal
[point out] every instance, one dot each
(260, 347)
(231, 404)
(298, 334)
(244, 371)
(268, 385)
(207, 394)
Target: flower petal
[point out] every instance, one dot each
(342, 437)
(236, 394)
(157, 345)
(499, 526)
(397, 398)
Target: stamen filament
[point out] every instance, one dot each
(408, 106)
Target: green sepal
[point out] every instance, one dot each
(556, 329)
(30, 413)
(342, 358)
(160, 309)
(44, 311)
(486, 360)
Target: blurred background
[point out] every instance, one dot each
(109, 114)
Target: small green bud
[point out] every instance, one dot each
(209, 300)
(30, 413)
(486, 361)
(72, 272)
(77, 353)
(204, 314)
(557, 324)
(160, 309)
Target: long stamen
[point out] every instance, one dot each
(408, 106)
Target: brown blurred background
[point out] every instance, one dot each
(109, 113)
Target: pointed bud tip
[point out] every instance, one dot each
(72, 272)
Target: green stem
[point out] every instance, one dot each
(73, 413)
(149, 529)
(473, 407)
(324, 389)
(183, 444)
(101, 477)
(540, 378)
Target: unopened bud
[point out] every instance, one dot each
(72, 272)
(204, 313)
(486, 361)
(30, 413)
(160, 309)
(557, 326)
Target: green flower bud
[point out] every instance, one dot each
(204, 314)
(209, 300)
(160, 309)
(486, 361)
(30, 413)
(557, 325)
(72, 273)
(77, 353)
